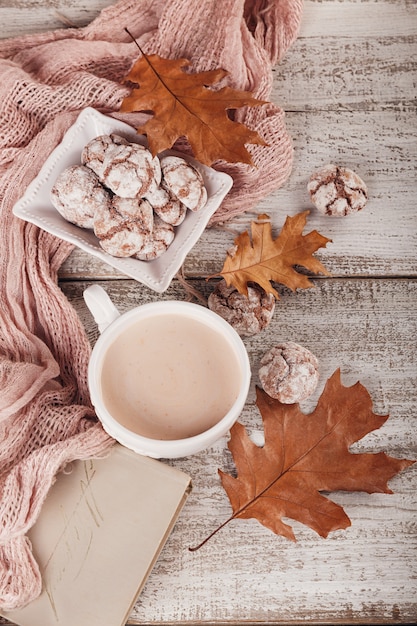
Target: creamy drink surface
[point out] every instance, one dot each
(169, 377)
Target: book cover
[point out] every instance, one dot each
(99, 533)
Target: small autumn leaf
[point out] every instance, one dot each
(184, 105)
(264, 259)
(304, 455)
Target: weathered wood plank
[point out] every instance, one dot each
(348, 86)
(367, 573)
(380, 241)
(350, 19)
(27, 17)
(373, 72)
(367, 327)
(322, 18)
(348, 73)
(351, 68)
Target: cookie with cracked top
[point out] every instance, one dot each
(123, 234)
(337, 191)
(157, 242)
(94, 151)
(128, 169)
(166, 205)
(289, 372)
(184, 181)
(78, 194)
(247, 314)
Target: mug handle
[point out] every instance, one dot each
(100, 306)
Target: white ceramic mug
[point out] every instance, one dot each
(167, 379)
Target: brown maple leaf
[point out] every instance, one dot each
(303, 456)
(184, 105)
(264, 259)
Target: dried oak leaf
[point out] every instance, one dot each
(264, 259)
(184, 105)
(304, 455)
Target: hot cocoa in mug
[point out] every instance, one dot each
(167, 379)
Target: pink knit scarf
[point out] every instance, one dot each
(46, 419)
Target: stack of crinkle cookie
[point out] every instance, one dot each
(132, 200)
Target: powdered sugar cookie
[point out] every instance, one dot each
(121, 235)
(94, 152)
(337, 191)
(247, 314)
(167, 206)
(127, 169)
(130, 170)
(184, 181)
(158, 242)
(77, 194)
(136, 208)
(289, 372)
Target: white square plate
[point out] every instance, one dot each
(35, 206)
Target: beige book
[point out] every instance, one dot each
(98, 536)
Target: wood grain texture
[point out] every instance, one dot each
(376, 74)
(379, 241)
(367, 573)
(348, 87)
(20, 17)
(358, 18)
(322, 18)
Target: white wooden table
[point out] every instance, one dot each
(348, 86)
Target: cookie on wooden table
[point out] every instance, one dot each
(337, 191)
(247, 314)
(289, 372)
